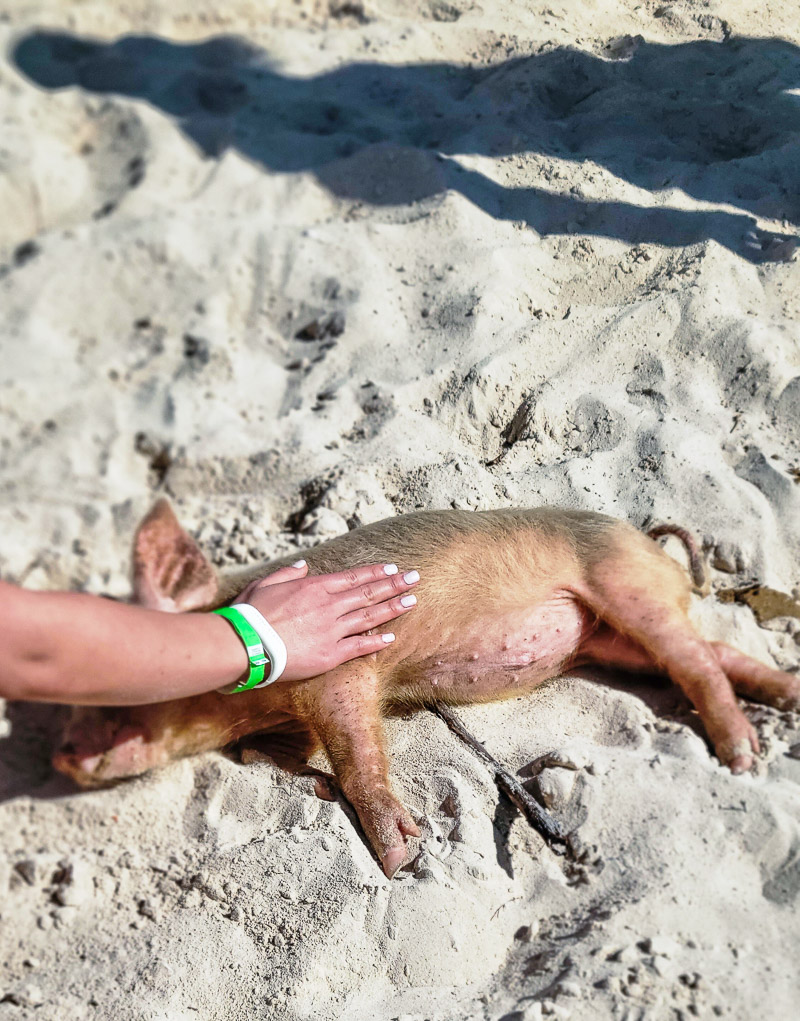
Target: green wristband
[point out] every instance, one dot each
(253, 645)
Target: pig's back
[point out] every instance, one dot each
(464, 547)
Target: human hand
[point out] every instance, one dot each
(322, 619)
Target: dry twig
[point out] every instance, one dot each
(541, 821)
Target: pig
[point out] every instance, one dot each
(508, 599)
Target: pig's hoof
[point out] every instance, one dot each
(387, 824)
(740, 764)
(741, 756)
(393, 859)
(91, 766)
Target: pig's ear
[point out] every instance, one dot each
(169, 571)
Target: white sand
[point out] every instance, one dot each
(496, 264)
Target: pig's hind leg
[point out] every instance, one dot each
(748, 677)
(643, 596)
(344, 707)
(756, 681)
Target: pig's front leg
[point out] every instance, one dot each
(344, 708)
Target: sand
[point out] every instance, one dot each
(300, 266)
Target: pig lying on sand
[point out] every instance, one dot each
(508, 599)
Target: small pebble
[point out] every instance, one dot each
(215, 890)
(64, 916)
(26, 869)
(727, 558)
(622, 47)
(661, 946)
(75, 884)
(26, 996)
(562, 759)
(554, 787)
(146, 909)
(557, 1010)
(659, 966)
(323, 523)
(626, 955)
(34, 995)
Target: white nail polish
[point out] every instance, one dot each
(388, 637)
(410, 577)
(390, 569)
(299, 564)
(408, 601)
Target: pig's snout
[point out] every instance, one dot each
(98, 749)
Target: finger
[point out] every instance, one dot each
(355, 576)
(369, 617)
(361, 645)
(372, 592)
(299, 569)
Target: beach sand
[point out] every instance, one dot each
(302, 266)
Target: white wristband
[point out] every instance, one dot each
(270, 639)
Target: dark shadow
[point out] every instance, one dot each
(25, 766)
(662, 697)
(504, 815)
(713, 119)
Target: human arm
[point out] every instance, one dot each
(82, 649)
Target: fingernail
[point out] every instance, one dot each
(388, 637)
(408, 601)
(299, 563)
(410, 577)
(390, 568)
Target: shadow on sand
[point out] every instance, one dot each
(715, 120)
(25, 766)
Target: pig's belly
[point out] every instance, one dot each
(500, 654)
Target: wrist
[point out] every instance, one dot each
(249, 626)
(229, 654)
